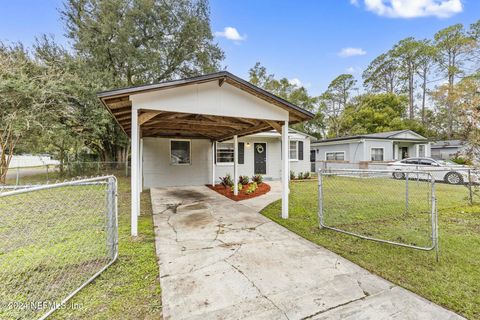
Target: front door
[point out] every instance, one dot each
(404, 152)
(260, 158)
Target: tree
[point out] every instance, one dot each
(408, 53)
(453, 45)
(289, 91)
(427, 58)
(383, 75)
(341, 87)
(137, 41)
(32, 97)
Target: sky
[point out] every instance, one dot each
(308, 42)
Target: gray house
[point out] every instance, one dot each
(375, 147)
(448, 149)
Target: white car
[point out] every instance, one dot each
(441, 170)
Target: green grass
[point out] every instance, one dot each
(129, 289)
(377, 208)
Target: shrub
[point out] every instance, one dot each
(306, 175)
(300, 176)
(240, 187)
(226, 181)
(292, 175)
(243, 180)
(258, 179)
(251, 188)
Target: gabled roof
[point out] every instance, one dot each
(388, 135)
(448, 144)
(118, 102)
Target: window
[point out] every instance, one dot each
(376, 154)
(426, 162)
(335, 156)
(225, 152)
(293, 150)
(421, 150)
(180, 152)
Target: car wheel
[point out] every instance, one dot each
(398, 175)
(453, 178)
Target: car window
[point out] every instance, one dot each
(411, 161)
(426, 162)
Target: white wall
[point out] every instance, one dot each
(31, 161)
(158, 172)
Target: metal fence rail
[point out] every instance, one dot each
(54, 240)
(373, 205)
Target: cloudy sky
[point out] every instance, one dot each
(309, 42)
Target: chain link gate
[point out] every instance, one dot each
(54, 240)
(373, 205)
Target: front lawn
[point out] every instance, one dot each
(453, 282)
(130, 288)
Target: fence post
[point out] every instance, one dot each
(47, 173)
(470, 187)
(111, 217)
(320, 198)
(434, 215)
(18, 176)
(406, 193)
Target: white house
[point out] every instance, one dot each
(375, 147)
(191, 131)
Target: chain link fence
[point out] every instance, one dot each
(54, 240)
(373, 205)
(48, 173)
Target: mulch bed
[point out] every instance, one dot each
(242, 195)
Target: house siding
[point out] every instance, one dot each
(158, 172)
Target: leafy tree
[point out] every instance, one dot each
(383, 75)
(341, 88)
(426, 62)
(32, 97)
(454, 46)
(139, 41)
(299, 96)
(408, 54)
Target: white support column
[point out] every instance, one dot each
(213, 163)
(140, 167)
(134, 173)
(285, 172)
(235, 165)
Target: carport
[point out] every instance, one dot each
(218, 107)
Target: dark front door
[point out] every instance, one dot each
(260, 158)
(404, 152)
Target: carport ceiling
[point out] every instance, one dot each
(190, 125)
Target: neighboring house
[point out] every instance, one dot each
(259, 153)
(179, 128)
(448, 149)
(375, 147)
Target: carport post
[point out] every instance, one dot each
(213, 163)
(135, 171)
(285, 173)
(235, 165)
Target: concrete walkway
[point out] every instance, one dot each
(221, 259)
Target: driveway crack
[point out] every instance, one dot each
(255, 286)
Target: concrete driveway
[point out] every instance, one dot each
(221, 259)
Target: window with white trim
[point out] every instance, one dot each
(376, 154)
(180, 152)
(335, 156)
(293, 150)
(421, 151)
(225, 152)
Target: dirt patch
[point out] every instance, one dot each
(191, 207)
(190, 195)
(242, 194)
(198, 219)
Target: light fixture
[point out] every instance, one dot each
(248, 144)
